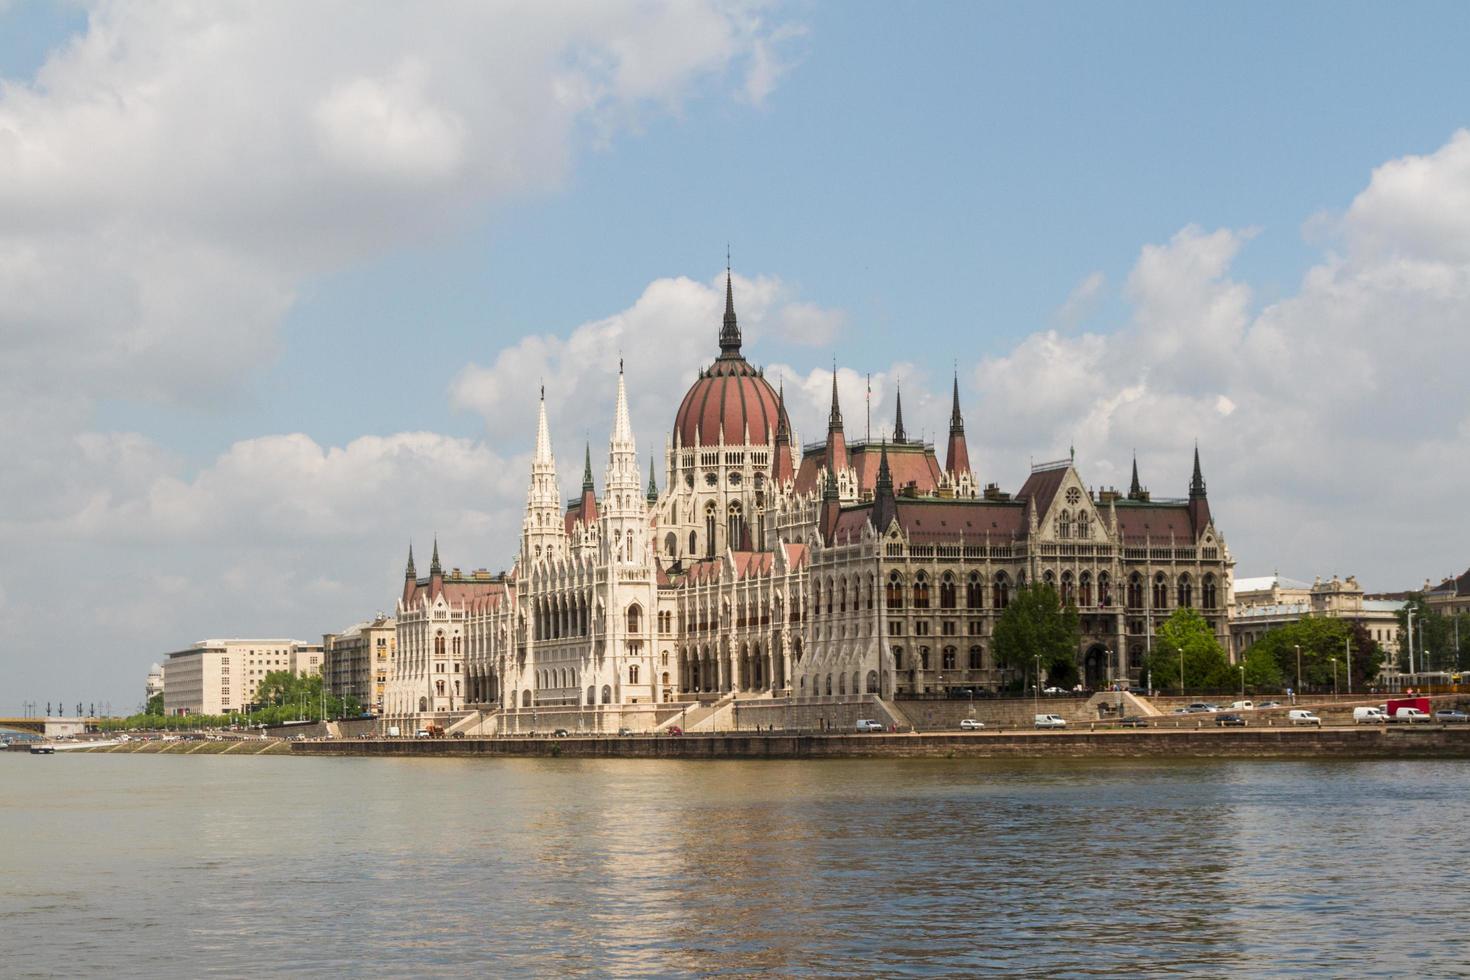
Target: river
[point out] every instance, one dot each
(165, 866)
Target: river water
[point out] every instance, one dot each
(167, 866)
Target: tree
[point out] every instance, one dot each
(1434, 636)
(1036, 624)
(1367, 657)
(1261, 671)
(1322, 641)
(155, 705)
(1188, 635)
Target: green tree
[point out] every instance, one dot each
(1261, 671)
(1187, 640)
(1434, 636)
(1036, 624)
(155, 705)
(1324, 645)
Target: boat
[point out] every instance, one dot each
(43, 750)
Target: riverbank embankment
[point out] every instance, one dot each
(1376, 742)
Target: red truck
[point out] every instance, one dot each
(1419, 706)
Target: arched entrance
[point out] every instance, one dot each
(1095, 667)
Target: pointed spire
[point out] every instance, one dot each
(956, 420)
(885, 507)
(409, 572)
(834, 418)
(783, 431)
(898, 434)
(1135, 489)
(884, 484)
(622, 425)
(543, 432)
(730, 332)
(1197, 483)
(434, 567)
(587, 483)
(652, 484)
(829, 488)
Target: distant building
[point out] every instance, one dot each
(216, 677)
(154, 685)
(1450, 597)
(358, 661)
(1264, 604)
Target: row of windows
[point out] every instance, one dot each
(948, 659)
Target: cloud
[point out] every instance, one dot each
(1082, 303)
(1330, 423)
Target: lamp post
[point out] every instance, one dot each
(1298, 671)
(1334, 677)
(1347, 659)
(1242, 682)
(1409, 635)
(1037, 688)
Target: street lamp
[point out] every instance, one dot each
(1037, 688)
(1334, 677)
(1298, 672)
(1242, 682)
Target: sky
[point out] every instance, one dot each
(279, 281)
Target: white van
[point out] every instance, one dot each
(1369, 716)
(1301, 716)
(1243, 706)
(1050, 721)
(1411, 715)
(869, 725)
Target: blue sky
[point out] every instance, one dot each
(937, 178)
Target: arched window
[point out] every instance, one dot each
(1069, 593)
(947, 659)
(977, 657)
(921, 591)
(606, 694)
(894, 591)
(1064, 525)
(829, 685)
(632, 673)
(829, 597)
(923, 658)
(591, 695)
(735, 526)
(671, 544)
(526, 699)
(1084, 527)
(1186, 592)
(635, 618)
(1002, 591)
(841, 683)
(1084, 589)
(947, 597)
(439, 645)
(693, 543)
(1207, 596)
(898, 658)
(1161, 591)
(1135, 591)
(974, 592)
(709, 529)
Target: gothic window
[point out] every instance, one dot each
(1186, 593)
(974, 591)
(948, 658)
(606, 694)
(635, 618)
(1104, 590)
(1135, 591)
(923, 658)
(1069, 596)
(693, 543)
(709, 529)
(1002, 591)
(947, 592)
(1084, 529)
(1084, 589)
(921, 591)
(894, 591)
(976, 658)
(735, 535)
(898, 658)
(868, 592)
(829, 597)
(671, 544)
(632, 673)
(1064, 525)
(1161, 591)
(1207, 597)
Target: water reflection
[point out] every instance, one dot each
(220, 866)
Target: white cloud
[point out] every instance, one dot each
(1082, 302)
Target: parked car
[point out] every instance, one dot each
(1410, 715)
(560, 733)
(1201, 707)
(1052, 690)
(624, 732)
(1301, 716)
(1134, 721)
(869, 725)
(1452, 716)
(1369, 716)
(1050, 721)
(1243, 706)
(674, 730)
(971, 724)
(1229, 721)
(1269, 704)
(421, 733)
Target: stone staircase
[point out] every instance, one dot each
(701, 718)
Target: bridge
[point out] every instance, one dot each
(51, 726)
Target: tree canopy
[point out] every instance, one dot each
(1036, 624)
(1435, 637)
(1186, 640)
(1322, 641)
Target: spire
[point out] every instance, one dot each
(1135, 489)
(434, 567)
(834, 418)
(622, 435)
(409, 572)
(587, 483)
(783, 431)
(652, 484)
(829, 488)
(730, 332)
(543, 432)
(1197, 483)
(884, 484)
(898, 434)
(957, 456)
(885, 508)
(956, 420)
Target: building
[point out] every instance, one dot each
(769, 569)
(1270, 602)
(154, 685)
(216, 677)
(1450, 597)
(356, 662)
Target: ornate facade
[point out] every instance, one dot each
(768, 569)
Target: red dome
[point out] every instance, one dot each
(733, 395)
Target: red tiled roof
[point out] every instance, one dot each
(1041, 487)
(1155, 523)
(936, 521)
(909, 463)
(733, 396)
